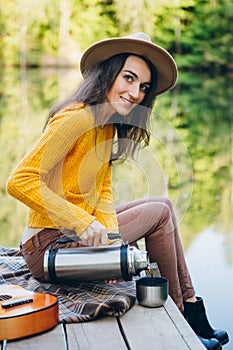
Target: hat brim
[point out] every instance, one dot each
(159, 57)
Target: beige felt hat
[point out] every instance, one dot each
(137, 43)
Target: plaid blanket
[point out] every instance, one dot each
(84, 302)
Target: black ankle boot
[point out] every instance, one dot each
(211, 344)
(196, 317)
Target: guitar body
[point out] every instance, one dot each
(37, 312)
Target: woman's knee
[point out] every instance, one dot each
(163, 208)
(164, 200)
(162, 215)
(168, 202)
(167, 217)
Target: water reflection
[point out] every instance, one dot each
(190, 160)
(213, 277)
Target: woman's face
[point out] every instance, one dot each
(130, 86)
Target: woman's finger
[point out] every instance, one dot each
(104, 237)
(90, 242)
(90, 239)
(97, 239)
(84, 238)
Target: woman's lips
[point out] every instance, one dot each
(126, 101)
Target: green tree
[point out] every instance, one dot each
(207, 38)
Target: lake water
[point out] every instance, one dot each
(190, 160)
(213, 278)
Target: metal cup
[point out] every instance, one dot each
(152, 291)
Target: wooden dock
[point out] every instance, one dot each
(139, 328)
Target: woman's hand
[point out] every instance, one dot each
(95, 234)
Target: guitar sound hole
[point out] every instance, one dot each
(5, 297)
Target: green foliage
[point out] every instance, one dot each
(91, 21)
(55, 32)
(207, 39)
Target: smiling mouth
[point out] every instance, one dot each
(126, 101)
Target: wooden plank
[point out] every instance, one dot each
(154, 328)
(53, 339)
(102, 334)
(144, 328)
(183, 327)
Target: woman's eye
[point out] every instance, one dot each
(144, 88)
(128, 78)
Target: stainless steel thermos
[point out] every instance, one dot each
(67, 265)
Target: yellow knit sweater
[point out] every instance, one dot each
(65, 179)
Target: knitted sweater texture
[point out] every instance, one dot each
(65, 179)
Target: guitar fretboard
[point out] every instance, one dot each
(17, 302)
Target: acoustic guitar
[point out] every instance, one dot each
(24, 313)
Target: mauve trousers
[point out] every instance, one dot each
(154, 219)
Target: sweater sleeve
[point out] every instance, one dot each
(28, 183)
(105, 210)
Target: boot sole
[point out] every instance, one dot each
(225, 341)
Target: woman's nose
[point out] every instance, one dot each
(134, 91)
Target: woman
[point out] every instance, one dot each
(65, 179)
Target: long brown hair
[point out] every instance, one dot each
(93, 90)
